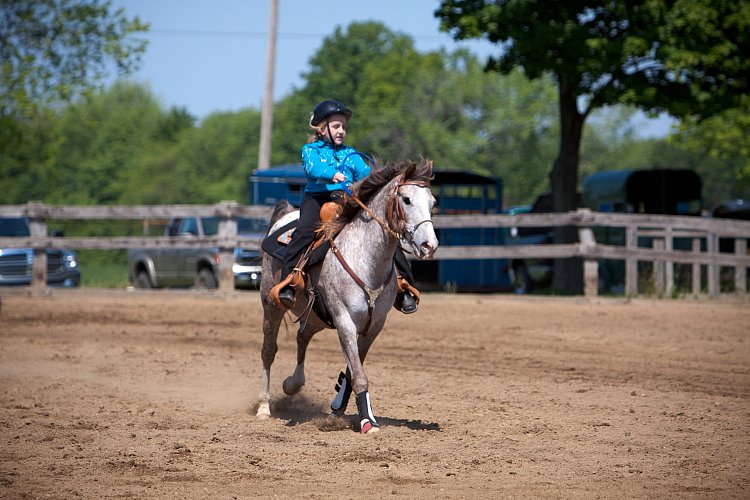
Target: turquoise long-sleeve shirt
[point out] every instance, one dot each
(321, 160)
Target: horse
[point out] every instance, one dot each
(356, 280)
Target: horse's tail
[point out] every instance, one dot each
(281, 208)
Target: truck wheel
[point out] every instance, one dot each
(206, 279)
(142, 280)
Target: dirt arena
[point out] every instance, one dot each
(109, 394)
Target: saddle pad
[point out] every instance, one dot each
(275, 246)
(271, 244)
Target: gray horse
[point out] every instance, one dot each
(399, 211)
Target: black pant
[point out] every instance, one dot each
(309, 219)
(303, 236)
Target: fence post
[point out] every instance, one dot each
(631, 263)
(657, 273)
(38, 230)
(228, 235)
(668, 265)
(590, 266)
(712, 245)
(740, 273)
(696, 268)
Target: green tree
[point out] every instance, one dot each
(686, 57)
(53, 50)
(722, 141)
(214, 160)
(441, 105)
(101, 136)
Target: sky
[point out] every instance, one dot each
(210, 55)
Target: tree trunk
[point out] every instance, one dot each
(568, 273)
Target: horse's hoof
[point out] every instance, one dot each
(264, 412)
(368, 428)
(291, 387)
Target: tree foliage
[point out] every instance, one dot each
(52, 50)
(120, 146)
(438, 104)
(686, 57)
(721, 146)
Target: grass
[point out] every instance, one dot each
(103, 268)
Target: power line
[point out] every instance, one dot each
(252, 34)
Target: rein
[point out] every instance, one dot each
(395, 211)
(374, 217)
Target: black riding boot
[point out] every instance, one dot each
(286, 296)
(408, 303)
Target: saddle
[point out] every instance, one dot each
(276, 243)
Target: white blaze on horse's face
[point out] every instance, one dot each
(417, 203)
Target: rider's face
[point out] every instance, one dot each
(335, 130)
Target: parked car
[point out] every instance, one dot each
(195, 267)
(16, 263)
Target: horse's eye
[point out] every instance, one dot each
(407, 200)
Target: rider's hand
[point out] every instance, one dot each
(339, 177)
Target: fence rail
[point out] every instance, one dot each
(661, 230)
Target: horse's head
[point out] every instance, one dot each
(413, 203)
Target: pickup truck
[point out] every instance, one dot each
(195, 267)
(15, 263)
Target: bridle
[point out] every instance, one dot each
(395, 216)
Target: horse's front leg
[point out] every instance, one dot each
(343, 386)
(349, 344)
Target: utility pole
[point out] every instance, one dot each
(266, 120)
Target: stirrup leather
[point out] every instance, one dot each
(404, 286)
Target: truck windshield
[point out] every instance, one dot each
(244, 225)
(16, 226)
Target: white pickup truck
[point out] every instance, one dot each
(195, 267)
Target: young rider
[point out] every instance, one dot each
(329, 165)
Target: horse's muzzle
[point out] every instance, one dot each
(426, 249)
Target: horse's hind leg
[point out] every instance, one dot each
(294, 382)
(272, 317)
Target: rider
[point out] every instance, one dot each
(329, 165)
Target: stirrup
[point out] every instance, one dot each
(287, 297)
(404, 290)
(295, 281)
(408, 303)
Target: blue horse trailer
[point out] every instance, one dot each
(456, 192)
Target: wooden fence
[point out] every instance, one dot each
(661, 231)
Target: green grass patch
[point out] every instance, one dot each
(103, 268)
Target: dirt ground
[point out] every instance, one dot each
(110, 394)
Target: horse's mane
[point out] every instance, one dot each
(370, 185)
